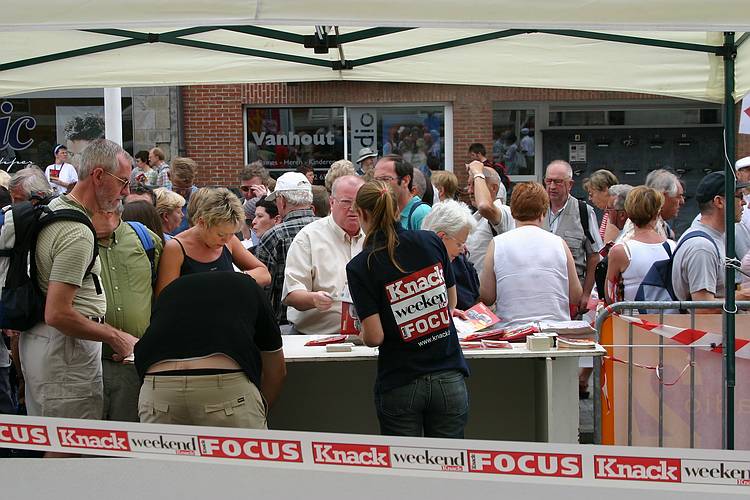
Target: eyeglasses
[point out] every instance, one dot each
(386, 178)
(458, 242)
(125, 182)
(344, 203)
(555, 182)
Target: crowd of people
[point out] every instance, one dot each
(200, 283)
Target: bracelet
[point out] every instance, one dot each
(480, 176)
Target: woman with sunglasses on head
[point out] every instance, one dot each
(403, 289)
(210, 244)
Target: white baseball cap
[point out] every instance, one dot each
(742, 163)
(290, 181)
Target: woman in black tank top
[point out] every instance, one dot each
(210, 244)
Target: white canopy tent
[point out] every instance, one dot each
(682, 48)
(489, 42)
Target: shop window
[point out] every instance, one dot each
(284, 139)
(417, 133)
(664, 117)
(589, 118)
(30, 128)
(513, 140)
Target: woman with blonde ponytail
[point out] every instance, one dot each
(404, 290)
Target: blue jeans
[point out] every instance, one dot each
(433, 405)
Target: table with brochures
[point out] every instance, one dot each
(515, 394)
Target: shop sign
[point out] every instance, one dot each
(364, 124)
(11, 136)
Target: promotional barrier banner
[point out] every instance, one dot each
(585, 465)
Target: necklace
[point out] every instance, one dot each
(70, 195)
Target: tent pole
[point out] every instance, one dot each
(730, 308)
(113, 114)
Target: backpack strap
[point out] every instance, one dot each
(409, 224)
(70, 215)
(147, 243)
(667, 248)
(4, 252)
(694, 234)
(583, 212)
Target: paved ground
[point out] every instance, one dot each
(586, 417)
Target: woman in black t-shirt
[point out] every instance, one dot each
(404, 289)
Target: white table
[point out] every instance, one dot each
(515, 394)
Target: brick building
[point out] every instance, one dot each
(627, 133)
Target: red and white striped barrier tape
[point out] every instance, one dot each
(700, 339)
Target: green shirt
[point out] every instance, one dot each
(64, 251)
(126, 278)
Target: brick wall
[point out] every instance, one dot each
(214, 132)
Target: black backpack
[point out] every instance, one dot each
(22, 302)
(502, 172)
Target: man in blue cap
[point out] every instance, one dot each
(698, 265)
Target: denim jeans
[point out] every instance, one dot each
(433, 405)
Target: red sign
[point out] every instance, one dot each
(420, 303)
(23, 434)
(98, 439)
(637, 468)
(351, 454)
(525, 463)
(250, 449)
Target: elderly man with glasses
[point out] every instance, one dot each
(315, 278)
(61, 356)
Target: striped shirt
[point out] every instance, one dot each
(272, 250)
(64, 250)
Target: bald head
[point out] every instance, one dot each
(560, 169)
(346, 181)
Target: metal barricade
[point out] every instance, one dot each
(661, 306)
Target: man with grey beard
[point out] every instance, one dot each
(62, 355)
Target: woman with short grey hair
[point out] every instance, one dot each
(452, 221)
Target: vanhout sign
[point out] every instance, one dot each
(292, 139)
(526, 463)
(637, 468)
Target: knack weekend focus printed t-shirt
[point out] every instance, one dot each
(419, 335)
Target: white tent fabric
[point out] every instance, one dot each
(631, 15)
(526, 60)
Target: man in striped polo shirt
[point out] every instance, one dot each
(61, 357)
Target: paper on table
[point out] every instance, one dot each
(477, 318)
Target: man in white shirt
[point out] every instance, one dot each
(492, 216)
(315, 276)
(61, 175)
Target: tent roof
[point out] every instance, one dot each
(494, 42)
